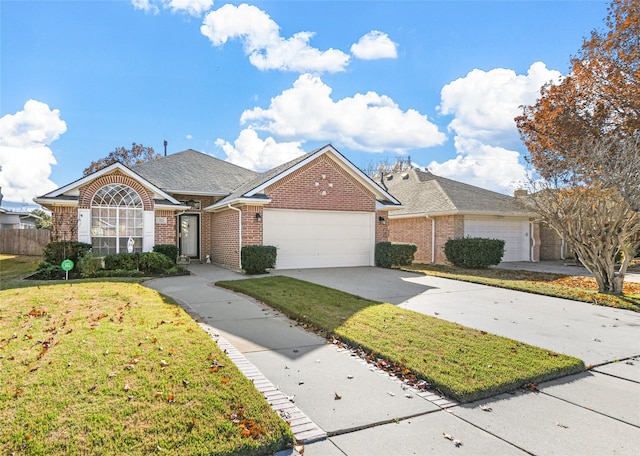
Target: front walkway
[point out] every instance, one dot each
(591, 413)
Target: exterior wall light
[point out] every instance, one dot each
(382, 220)
(258, 217)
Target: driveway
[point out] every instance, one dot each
(595, 412)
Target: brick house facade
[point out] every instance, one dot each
(211, 208)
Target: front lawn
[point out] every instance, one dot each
(463, 363)
(576, 288)
(113, 368)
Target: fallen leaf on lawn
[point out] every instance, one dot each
(171, 399)
(224, 380)
(163, 363)
(171, 351)
(185, 383)
(112, 374)
(127, 387)
(91, 388)
(158, 393)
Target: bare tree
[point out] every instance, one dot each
(598, 225)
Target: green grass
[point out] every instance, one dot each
(462, 363)
(568, 287)
(15, 267)
(98, 368)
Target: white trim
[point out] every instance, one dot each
(148, 230)
(238, 201)
(239, 234)
(457, 212)
(84, 226)
(56, 202)
(115, 166)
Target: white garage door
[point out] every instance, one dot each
(320, 239)
(513, 231)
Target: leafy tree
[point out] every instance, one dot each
(582, 135)
(137, 154)
(598, 99)
(45, 219)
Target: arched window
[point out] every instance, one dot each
(116, 220)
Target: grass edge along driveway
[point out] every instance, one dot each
(462, 363)
(110, 368)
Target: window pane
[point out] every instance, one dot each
(137, 244)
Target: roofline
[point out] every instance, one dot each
(458, 212)
(195, 193)
(237, 201)
(56, 202)
(106, 170)
(312, 156)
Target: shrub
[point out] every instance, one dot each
(169, 250)
(256, 259)
(55, 252)
(129, 261)
(89, 265)
(474, 252)
(155, 263)
(390, 254)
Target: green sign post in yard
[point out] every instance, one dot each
(66, 266)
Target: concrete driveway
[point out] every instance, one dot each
(596, 412)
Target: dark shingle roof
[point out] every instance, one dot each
(422, 192)
(192, 171)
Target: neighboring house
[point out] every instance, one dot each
(436, 209)
(17, 220)
(319, 210)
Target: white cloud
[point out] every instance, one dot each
(482, 165)
(25, 156)
(262, 42)
(375, 45)
(192, 7)
(367, 122)
(484, 105)
(249, 151)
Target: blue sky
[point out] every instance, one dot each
(260, 83)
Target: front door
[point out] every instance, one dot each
(189, 235)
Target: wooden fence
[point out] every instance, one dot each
(24, 242)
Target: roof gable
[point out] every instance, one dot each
(255, 188)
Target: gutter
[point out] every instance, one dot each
(433, 239)
(532, 255)
(239, 234)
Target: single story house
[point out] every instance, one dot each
(436, 209)
(319, 210)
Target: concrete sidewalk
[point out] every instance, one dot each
(592, 413)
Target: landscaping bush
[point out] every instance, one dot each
(390, 254)
(169, 250)
(256, 259)
(89, 265)
(145, 262)
(129, 261)
(155, 263)
(55, 252)
(474, 252)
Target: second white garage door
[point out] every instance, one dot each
(320, 239)
(514, 231)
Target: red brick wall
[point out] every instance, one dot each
(64, 221)
(342, 192)
(417, 231)
(382, 229)
(224, 238)
(116, 177)
(251, 227)
(166, 233)
(551, 244)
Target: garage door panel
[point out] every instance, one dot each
(514, 231)
(308, 239)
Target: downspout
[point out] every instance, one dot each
(239, 234)
(433, 239)
(532, 254)
(562, 246)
